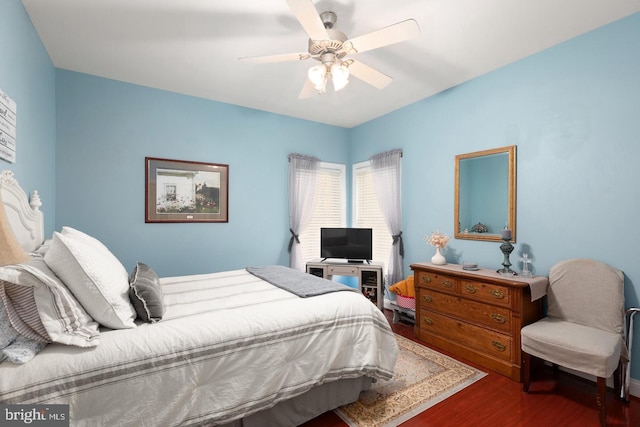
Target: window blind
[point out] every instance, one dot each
(329, 209)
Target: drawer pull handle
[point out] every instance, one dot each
(427, 320)
(426, 279)
(427, 298)
(499, 318)
(496, 293)
(498, 346)
(447, 284)
(470, 288)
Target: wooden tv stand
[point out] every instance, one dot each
(476, 315)
(369, 275)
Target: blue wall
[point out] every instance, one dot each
(28, 77)
(107, 128)
(572, 111)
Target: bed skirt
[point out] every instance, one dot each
(307, 406)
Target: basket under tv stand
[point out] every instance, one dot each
(369, 275)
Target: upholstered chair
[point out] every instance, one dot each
(583, 328)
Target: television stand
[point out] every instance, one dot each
(351, 261)
(369, 275)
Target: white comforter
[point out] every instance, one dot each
(230, 345)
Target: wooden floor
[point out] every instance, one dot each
(497, 401)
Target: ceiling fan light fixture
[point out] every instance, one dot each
(339, 76)
(330, 47)
(318, 76)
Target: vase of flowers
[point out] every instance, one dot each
(439, 240)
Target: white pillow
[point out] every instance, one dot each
(94, 276)
(84, 237)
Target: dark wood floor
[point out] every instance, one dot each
(497, 401)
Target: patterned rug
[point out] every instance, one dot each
(423, 377)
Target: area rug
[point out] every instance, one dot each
(422, 378)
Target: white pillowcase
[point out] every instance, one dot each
(41, 307)
(94, 276)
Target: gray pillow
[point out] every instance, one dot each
(146, 294)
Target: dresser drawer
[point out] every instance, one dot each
(439, 282)
(475, 337)
(486, 292)
(342, 270)
(493, 317)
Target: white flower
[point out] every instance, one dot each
(437, 239)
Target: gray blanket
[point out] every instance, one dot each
(297, 282)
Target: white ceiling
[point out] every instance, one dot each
(192, 46)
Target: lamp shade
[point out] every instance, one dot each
(318, 76)
(339, 76)
(10, 250)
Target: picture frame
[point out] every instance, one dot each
(186, 191)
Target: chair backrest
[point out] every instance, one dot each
(587, 292)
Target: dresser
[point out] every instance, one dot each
(476, 315)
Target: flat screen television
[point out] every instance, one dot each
(352, 244)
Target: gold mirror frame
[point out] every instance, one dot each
(511, 196)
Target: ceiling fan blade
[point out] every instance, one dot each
(308, 90)
(395, 33)
(369, 75)
(309, 18)
(275, 58)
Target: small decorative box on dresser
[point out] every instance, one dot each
(476, 315)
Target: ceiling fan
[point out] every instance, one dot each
(330, 47)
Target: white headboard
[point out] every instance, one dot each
(26, 219)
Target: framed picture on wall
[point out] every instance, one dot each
(186, 191)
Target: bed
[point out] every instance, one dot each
(230, 348)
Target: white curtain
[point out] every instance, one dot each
(387, 172)
(303, 173)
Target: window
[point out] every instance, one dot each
(329, 210)
(367, 213)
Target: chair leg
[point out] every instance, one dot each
(526, 371)
(617, 381)
(601, 400)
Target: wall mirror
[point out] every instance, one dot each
(485, 194)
